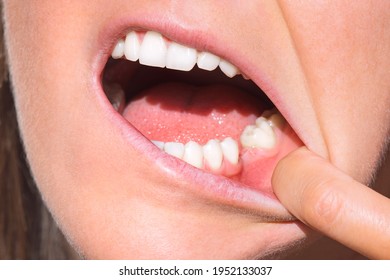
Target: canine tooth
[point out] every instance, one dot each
(159, 144)
(193, 154)
(208, 61)
(230, 150)
(132, 46)
(229, 69)
(212, 153)
(180, 57)
(174, 149)
(153, 50)
(258, 136)
(277, 120)
(118, 50)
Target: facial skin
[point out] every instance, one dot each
(327, 66)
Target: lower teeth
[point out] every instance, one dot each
(261, 136)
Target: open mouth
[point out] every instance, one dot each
(198, 108)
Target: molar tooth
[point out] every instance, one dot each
(212, 153)
(260, 135)
(268, 113)
(230, 150)
(193, 154)
(180, 57)
(153, 50)
(118, 50)
(208, 61)
(229, 69)
(260, 120)
(247, 137)
(159, 144)
(174, 149)
(264, 124)
(277, 120)
(132, 46)
(245, 77)
(115, 95)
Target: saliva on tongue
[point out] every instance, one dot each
(178, 112)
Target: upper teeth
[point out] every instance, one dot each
(215, 152)
(155, 51)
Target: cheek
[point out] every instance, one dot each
(345, 52)
(50, 80)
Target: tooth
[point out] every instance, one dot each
(268, 113)
(174, 149)
(180, 57)
(208, 61)
(277, 120)
(115, 95)
(229, 69)
(261, 120)
(193, 154)
(212, 153)
(132, 46)
(159, 144)
(260, 135)
(230, 150)
(118, 50)
(153, 50)
(245, 77)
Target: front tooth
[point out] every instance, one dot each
(118, 50)
(174, 149)
(212, 153)
(208, 61)
(153, 50)
(180, 57)
(230, 150)
(193, 154)
(132, 46)
(159, 144)
(229, 69)
(258, 136)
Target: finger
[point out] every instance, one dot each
(331, 202)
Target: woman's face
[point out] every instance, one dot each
(325, 66)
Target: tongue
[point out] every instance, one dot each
(177, 112)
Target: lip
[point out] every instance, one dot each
(210, 187)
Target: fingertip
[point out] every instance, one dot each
(291, 178)
(285, 170)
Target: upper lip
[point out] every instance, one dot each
(242, 198)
